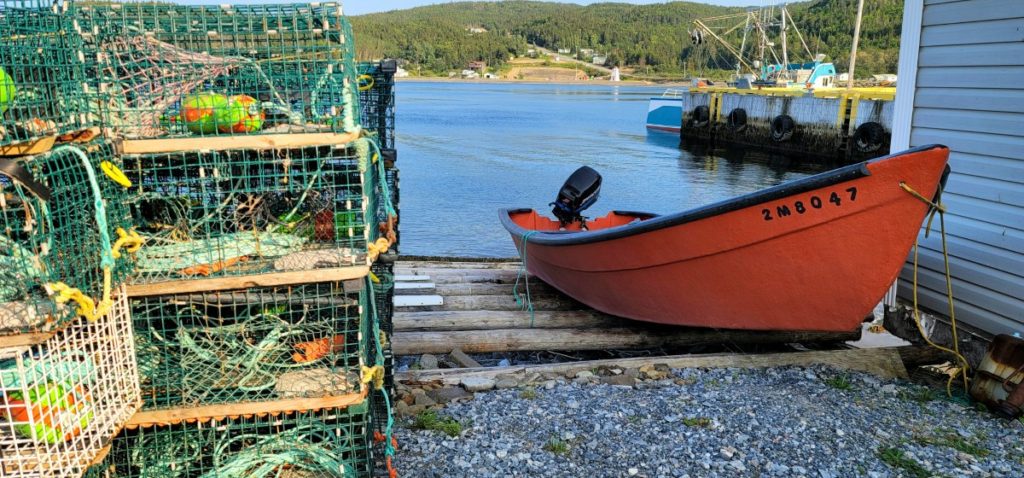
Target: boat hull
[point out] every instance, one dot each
(665, 114)
(812, 255)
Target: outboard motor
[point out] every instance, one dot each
(578, 193)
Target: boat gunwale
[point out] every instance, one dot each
(658, 222)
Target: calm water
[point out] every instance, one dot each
(468, 149)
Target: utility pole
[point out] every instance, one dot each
(856, 39)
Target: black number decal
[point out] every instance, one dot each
(816, 202)
(767, 214)
(782, 211)
(853, 193)
(800, 209)
(834, 198)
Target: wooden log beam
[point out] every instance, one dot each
(502, 319)
(883, 362)
(502, 302)
(537, 288)
(460, 265)
(515, 340)
(918, 355)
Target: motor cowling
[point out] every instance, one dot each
(578, 193)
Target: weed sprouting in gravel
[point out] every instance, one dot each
(895, 458)
(429, 420)
(528, 393)
(920, 395)
(697, 422)
(839, 382)
(954, 441)
(556, 446)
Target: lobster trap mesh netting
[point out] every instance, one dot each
(42, 77)
(258, 344)
(62, 400)
(63, 222)
(244, 212)
(175, 70)
(327, 443)
(377, 99)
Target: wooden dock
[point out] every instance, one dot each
(440, 306)
(468, 306)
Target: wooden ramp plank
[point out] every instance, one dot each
(418, 300)
(515, 340)
(414, 285)
(412, 278)
(502, 319)
(883, 362)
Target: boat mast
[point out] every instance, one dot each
(856, 39)
(746, 29)
(785, 55)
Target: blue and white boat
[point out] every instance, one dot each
(665, 112)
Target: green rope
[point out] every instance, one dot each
(524, 274)
(107, 258)
(306, 449)
(67, 367)
(180, 255)
(389, 449)
(230, 355)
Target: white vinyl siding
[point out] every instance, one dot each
(968, 89)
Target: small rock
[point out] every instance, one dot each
(477, 384)
(501, 453)
(449, 394)
(633, 471)
(622, 380)
(428, 362)
(738, 465)
(615, 371)
(632, 372)
(506, 383)
(504, 363)
(727, 452)
(584, 374)
(421, 398)
(462, 359)
(549, 384)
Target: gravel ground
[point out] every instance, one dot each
(786, 422)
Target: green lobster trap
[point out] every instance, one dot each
(65, 239)
(175, 71)
(273, 344)
(62, 399)
(42, 76)
(325, 443)
(217, 214)
(377, 99)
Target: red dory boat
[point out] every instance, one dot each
(815, 254)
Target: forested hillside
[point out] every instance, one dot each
(651, 38)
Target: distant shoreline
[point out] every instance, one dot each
(440, 79)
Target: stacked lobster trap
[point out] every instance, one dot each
(228, 174)
(68, 378)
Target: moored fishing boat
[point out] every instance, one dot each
(665, 112)
(815, 254)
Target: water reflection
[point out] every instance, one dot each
(468, 149)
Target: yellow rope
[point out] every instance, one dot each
(87, 307)
(130, 241)
(377, 248)
(375, 375)
(940, 210)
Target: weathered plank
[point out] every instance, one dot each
(883, 362)
(418, 301)
(502, 319)
(505, 302)
(459, 265)
(513, 340)
(537, 288)
(338, 274)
